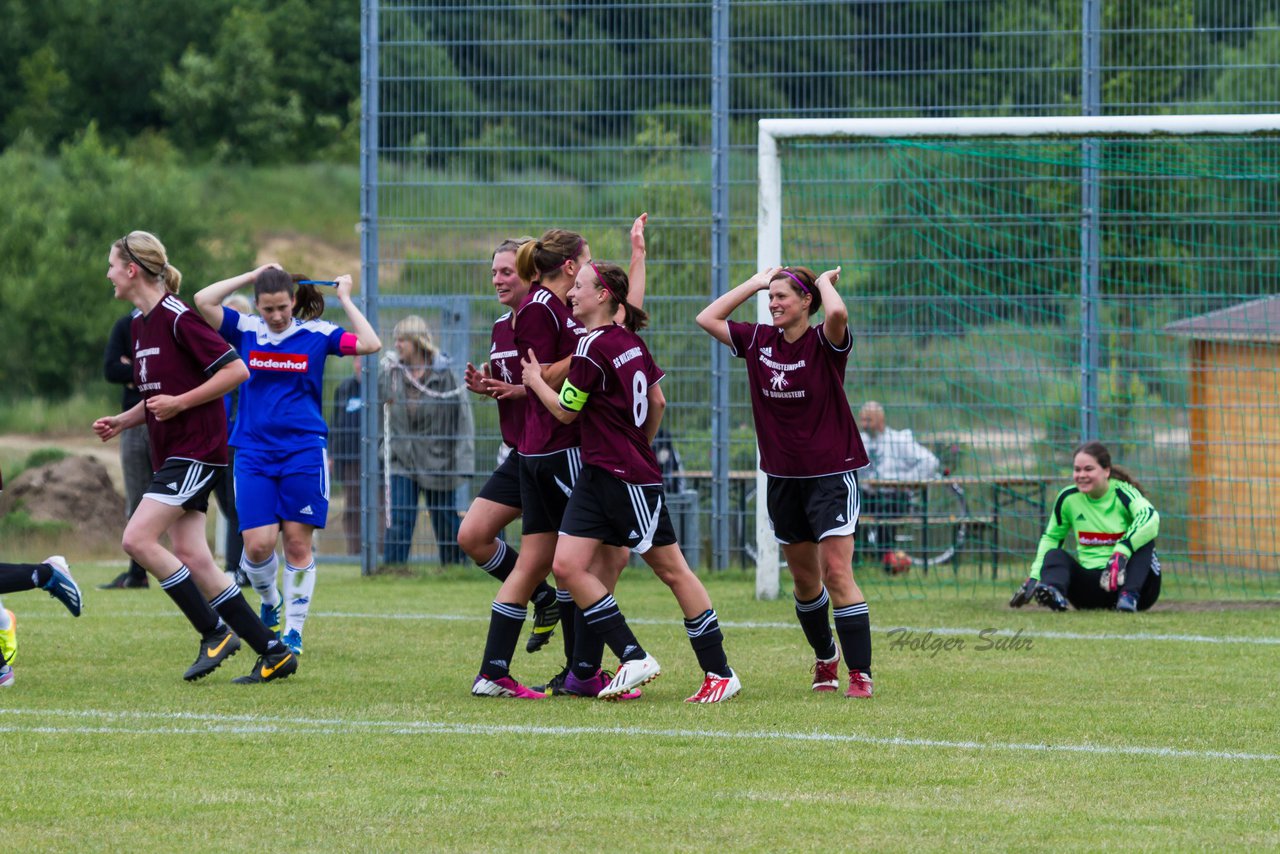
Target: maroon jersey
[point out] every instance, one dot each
(174, 351)
(804, 426)
(504, 364)
(545, 325)
(608, 382)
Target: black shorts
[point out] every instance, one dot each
(185, 483)
(503, 486)
(618, 513)
(810, 509)
(545, 484)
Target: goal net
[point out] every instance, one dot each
(1017, 286)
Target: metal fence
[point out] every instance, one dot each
(489, 120)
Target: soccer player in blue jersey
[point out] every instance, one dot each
(280, 436)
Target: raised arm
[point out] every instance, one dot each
(636, 270)
(835, 314)
(209, 299)
(714, 317)
(367, 341)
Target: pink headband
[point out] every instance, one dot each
(795, 279)
(603, 283)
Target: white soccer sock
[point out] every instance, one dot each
(299, 585)
(5, 622)
(263, 578)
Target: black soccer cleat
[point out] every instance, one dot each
(214, 649)
(545, 618)
(1050, 597)
(280, 664)
(555, 685)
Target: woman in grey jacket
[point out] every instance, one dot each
(432, 446)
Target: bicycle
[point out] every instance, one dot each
(928, 524)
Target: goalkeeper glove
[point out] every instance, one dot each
(1024, 594)
(1113, 576)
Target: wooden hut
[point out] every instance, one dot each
(1234, 402)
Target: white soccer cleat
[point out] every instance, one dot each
(717, 689)
(631, 675)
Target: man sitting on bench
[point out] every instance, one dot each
(895, 455)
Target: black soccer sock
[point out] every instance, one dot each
(588, 650)
(853, 624)
(505, 622)
(817, 627)
(708, 643)
(239, 614)
(182, 589)
(136, 572)
(502, 562)
(567, 632)
(15, 577)
(606, 620)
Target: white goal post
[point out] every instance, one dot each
(769, 214)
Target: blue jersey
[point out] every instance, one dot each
(280, 404)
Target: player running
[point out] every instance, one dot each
(182, 368)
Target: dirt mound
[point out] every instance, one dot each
(76, 490)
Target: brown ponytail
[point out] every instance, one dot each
(546, 256)
(308, 304)
(613, 279)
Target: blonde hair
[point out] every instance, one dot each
(239, 302)
(414, 328)
(147, 253)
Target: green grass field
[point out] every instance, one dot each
(1091, 731)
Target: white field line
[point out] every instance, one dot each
(990, 632)
(192, 723)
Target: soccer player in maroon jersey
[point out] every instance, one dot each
(498, 503)
(810, 449)
(549, 456)
(618, 499)
(182, 368)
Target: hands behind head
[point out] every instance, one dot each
(762, 279)
(832, 276)
(258, 272)
(345, 286)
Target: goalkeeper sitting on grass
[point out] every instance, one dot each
(1115, 565)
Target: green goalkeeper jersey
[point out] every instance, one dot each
(1122, 520)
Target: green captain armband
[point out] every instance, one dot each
(572, 398)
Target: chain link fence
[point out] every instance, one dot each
(484, 121)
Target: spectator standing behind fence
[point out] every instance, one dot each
(1115, 565)
(135, 448)
(432, 443)
(894, 455)
(344, 446)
